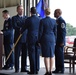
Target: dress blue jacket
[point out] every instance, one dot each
(18, 23)
(47, 30)
(32, 24)
(61, 31)
(8, 32)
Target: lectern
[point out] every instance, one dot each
(1, 50)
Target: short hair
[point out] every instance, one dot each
(59, 11)
(33, 10)
(5, 11)
(19, 6)
(47, 11)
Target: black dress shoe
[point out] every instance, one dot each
(58, 71)
(61, 72)
(47, 73)
(24, 71)
(30, 73)
(50, 73)
(55, 71)
(36, 72)
(5, 67)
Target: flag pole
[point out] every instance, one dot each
(13, 47)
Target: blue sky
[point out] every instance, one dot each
(68, 8)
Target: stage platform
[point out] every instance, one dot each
(41, 72)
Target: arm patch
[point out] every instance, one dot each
(63, 25)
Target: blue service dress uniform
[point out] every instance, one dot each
(32, 24)
(24, 52)
(59, 53)
(18, 22)
(47, 36)
(8, 41)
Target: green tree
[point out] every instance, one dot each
(70, 29)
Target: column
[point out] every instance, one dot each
(25, 6)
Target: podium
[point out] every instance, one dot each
(1, 50)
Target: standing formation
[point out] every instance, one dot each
(45, 33)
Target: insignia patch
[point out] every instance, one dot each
(62, 25)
